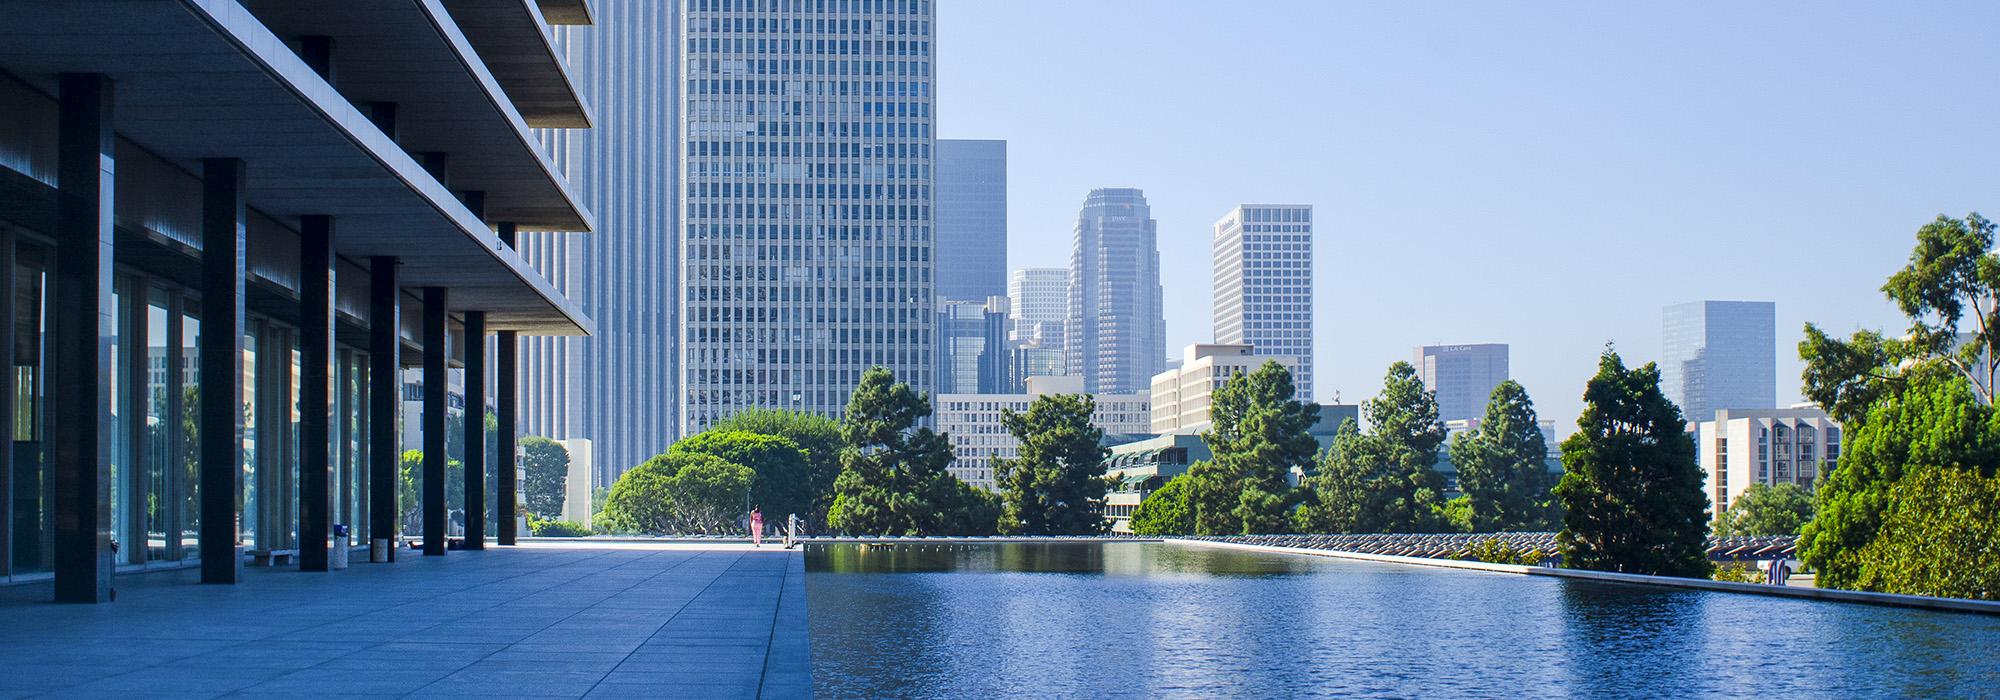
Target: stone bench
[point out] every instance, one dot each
(273, 557)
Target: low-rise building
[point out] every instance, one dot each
(1141, 467)
(1740, 447)
(972, 423)
(1180, 398)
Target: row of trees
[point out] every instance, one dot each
(877, 471)
(1382, 480)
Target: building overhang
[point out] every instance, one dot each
(413, 54)
(566, 11)
(514, 41)
(199, 79)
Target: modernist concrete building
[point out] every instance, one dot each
(1264, 283)
(1140, 467)
(1719, 354)
(972, 422)
(1181, 395)
(1463, 376)
(308, 198)
(1115, 333)
(807, 245)
(618, 387)
(1772, 446)
(971, 219)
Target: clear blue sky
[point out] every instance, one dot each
(1546, 175)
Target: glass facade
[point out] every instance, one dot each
(1116, 332)
(806, 237)
(1719, 355)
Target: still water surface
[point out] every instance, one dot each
(1129, 619)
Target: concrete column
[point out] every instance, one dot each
(316, 294)
(475, 430)
(509, 234)
(506, 416)
(383, 114)
(437, 392)
(317, 52)
(224, 231)
(84, 331)
(385, 404)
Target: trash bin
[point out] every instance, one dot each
(340, 547)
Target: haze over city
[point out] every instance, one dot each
(1546, 175)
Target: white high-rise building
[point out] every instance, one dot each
(1263, 283)
(1463, 376)
(1116, 332)
(1739, 447)
(972, 423)
(1181, 396)
(807, 231)
(1040, 298)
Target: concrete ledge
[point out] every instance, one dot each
(772, 541)
(1985, 607)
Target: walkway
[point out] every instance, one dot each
(662, 621)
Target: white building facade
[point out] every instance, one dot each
(1463, 376)
(972, 423)
(1040, 299)
(1263, 284)
(1740, 447)
(807, 226)
(1181, 396)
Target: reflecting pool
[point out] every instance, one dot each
(1131, 619)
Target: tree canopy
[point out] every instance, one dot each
(1056, 485)
(1503, 468)
(546, 464)
(1631, 487)
(893, 479)
(679, 493)
(1764, 510)
(816, 435)
(1258, 432)
(1384, 480)
(781, 486)
(1165, 511)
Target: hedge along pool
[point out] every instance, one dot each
(1138, 619)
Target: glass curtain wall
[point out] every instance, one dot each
(31, 524)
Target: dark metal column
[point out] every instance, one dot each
(316, 280)
(80, 355)
(385, 403)
(475, 430)
(437, 388)
(224, 233)
(505, 366)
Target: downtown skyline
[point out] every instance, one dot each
(1434, 187)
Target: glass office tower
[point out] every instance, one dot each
(1718, 355)
(807, 226)
(1115, 336)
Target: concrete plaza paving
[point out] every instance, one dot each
(539, 620)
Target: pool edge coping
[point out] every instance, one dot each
(1964, 605)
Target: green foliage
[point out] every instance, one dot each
(1258, 433)
(1502, 469)
(972, 512)
(1385, 480)
(679, 493)
(1938, 537)
(1631, 487)
(1494, 550)
(1766, 510)
(1056, 486)
(816, 435)
(893, 479)
(1737, 572)
(558, 528)
(781, 487)
(546, 464)
(410, 495)
(1166, 510)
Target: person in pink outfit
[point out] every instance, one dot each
(756, 527)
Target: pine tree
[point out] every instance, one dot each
(1056, 485)
(893, 479)
(1383, 481)
(1631, 487)
(1258, 433)
(1502, 466)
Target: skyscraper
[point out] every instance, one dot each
(1463, 376)
(971, 219)
(974, 356)
(1115, 333)
(1720, 354)
(1039, 297)
(1263, 283)
(806, 236)
(624, 275)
